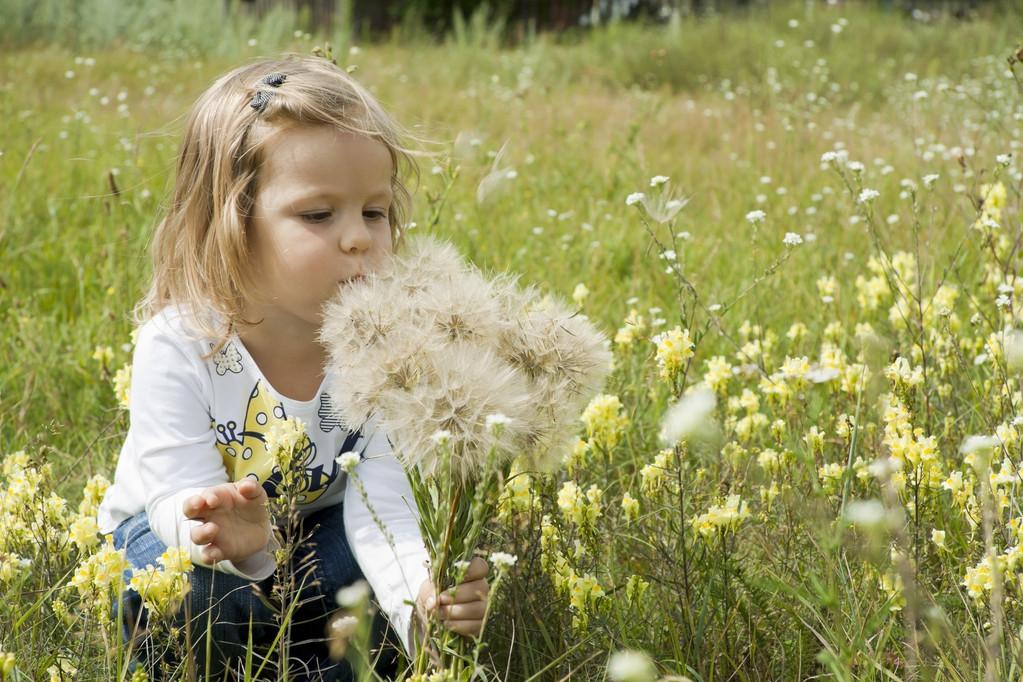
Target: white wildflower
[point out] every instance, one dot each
(495, 420)
(503, 560)
(348, 461)
(634, 198)
(868, 195)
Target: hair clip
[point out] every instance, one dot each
(274, 79)
(260, 99)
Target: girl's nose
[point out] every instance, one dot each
(355, 236)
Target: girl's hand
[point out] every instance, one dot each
(237, 522)
(461, 608)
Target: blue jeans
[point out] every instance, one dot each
(228, 601)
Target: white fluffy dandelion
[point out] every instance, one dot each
(429, 345)
(354, 594)
(664, 206)
(631, 666)
(690, 417)
(978, 444)
(496, 180)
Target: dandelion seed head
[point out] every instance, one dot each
(464, 386)
(354, 594)
(664, 206)
(429, 344)
(865, 513)
(690, 417)
(631, 666)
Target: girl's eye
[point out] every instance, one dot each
(376, 215)
(317, 217)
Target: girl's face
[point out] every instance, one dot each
(320, 218)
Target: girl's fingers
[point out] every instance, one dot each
(213, 553)
(469, 628)
(193, 506)
(249, 489)
(478, 568)
(471, 611)
(466, 592)
(205, 533)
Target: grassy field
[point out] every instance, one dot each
(866, 543)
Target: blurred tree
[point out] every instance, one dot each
(370, 19)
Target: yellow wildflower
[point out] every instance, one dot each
(122, 385)
(719, 371)
(282, 440)
(979, 579)
(726, 517)
(163, 591)
(827, 285)
(580, 293)
(604, 421)
(674, 347)
(517, 496)
(584, 594)
(814, 440)
(84, 532)
(891, 584)
(580, 508)
(104, 355)
(635, 588)
(831, 476)
(575, 458)
(630, 507)
(633, 329)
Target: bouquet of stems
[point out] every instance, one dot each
(464, 373)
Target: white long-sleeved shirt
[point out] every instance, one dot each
(196, 423)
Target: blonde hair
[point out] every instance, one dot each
(200, 247)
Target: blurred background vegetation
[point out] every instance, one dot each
(219, 26)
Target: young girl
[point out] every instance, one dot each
(287, 187)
